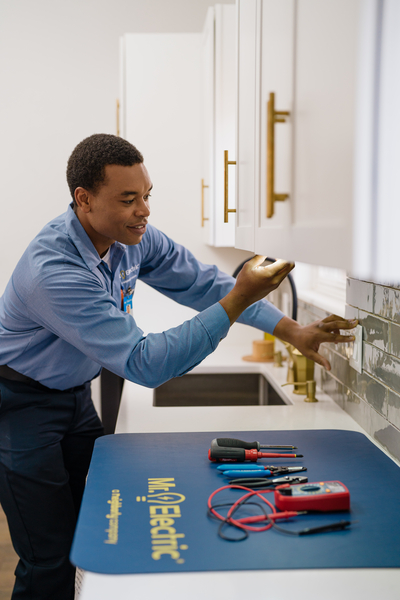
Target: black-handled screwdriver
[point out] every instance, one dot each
(233, 443)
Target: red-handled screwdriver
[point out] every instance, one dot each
(234, 443)
(217, 453)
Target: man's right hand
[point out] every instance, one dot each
(253, 283)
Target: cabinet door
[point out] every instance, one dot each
(377, 181)
(208, 93)
(308, 58)
(386, 247)
(219, 109)
(332, 64)
(162, 117)
(225, 118)
(324, 116)
(272, 235)
(246, 151)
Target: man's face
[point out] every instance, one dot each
(120, 209)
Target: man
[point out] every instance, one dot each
(65, 314)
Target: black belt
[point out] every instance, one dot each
(9, 373)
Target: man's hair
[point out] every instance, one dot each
(86, 165)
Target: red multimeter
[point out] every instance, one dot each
(322, 496)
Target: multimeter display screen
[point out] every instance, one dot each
(332, 487)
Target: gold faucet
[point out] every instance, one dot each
(300, 370)
(311, 387)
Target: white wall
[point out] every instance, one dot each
(59, 84)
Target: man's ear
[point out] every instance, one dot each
(82, 199)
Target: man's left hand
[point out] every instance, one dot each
(308, 338)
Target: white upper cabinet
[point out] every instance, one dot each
(320, 60)
(161, 108)
(378, 165)
(208, 90)
(247, 16)
(324, 112)
(302, 59)
(219, 118)
(276, 41)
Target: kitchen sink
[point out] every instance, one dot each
(217, 389)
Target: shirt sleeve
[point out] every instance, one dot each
(75, 307)
(173, 270)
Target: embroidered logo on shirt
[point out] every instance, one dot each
(123, 274)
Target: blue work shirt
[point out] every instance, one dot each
(61, 317)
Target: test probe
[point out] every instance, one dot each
(258, 482)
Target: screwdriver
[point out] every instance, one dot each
(217, 453)
(233, 443)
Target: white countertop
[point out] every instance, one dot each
(138, 415)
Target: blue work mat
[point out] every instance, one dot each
(129, 492)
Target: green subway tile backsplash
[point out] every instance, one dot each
(387, 303)
(394, 408)
(362, 384)
(394, 346)
(360, 294)
(372, 398)
(382, 366)
(376, 331)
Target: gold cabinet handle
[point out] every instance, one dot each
(203, 218)
(118, 117)
(273, 116)
(226, 193)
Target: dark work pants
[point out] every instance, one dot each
(46, 442)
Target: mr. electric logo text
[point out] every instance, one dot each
(164, 509)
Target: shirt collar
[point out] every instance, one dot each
(85, 245)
